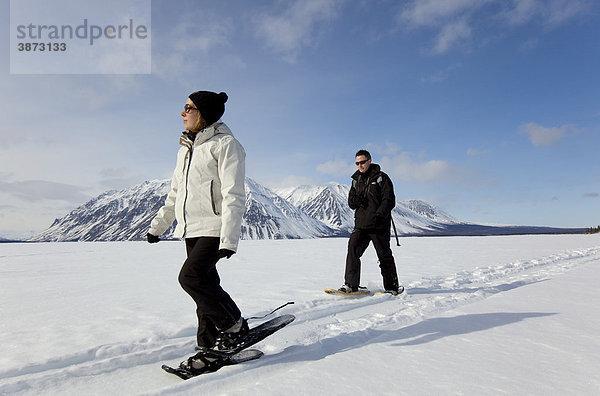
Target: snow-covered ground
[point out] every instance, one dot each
(483, 315)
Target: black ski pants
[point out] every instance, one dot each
(199, 278)
(358, 243)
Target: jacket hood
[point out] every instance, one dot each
(218, 128)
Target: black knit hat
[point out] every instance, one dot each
(211, 105)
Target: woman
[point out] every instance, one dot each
(207, 199)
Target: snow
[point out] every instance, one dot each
(483, 315)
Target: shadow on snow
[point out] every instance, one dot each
(423, 332)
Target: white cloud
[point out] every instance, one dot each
(545, 136)
(295, 28)
(522, 12)
(561, 11)
(400, 166)
(403, 167)
(458, 22)
(529, 45)
(550, 13)
(39, 190)
(471, 152)
(441, 75)
(387, 149)
(452, 35)
(118, 178)
(289, 181)
(177, 49)
(336, 167)
(451, 20)
(435, 12)
(193, 40)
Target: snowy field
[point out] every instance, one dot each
(483, 315)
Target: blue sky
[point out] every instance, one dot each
(487, 108)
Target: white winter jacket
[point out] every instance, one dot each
(207, 196)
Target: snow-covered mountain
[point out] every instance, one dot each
(416, 216)
(269, 216)
(113, 216)
(329, 204)
(300, 212)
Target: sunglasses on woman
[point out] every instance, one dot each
(187, 108)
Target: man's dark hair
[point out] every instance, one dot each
(363, 152)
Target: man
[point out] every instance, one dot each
(372, 198)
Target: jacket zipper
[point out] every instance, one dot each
(212, 199)
(187, 172)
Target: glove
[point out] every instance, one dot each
(152, 238)
(225, 253)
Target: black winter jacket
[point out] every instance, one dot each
(372, 197)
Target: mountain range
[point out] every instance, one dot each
(307, 211)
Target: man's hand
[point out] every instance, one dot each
(152, 238)
(225, 253)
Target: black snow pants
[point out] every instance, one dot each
(358, 243)
(199, 278)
